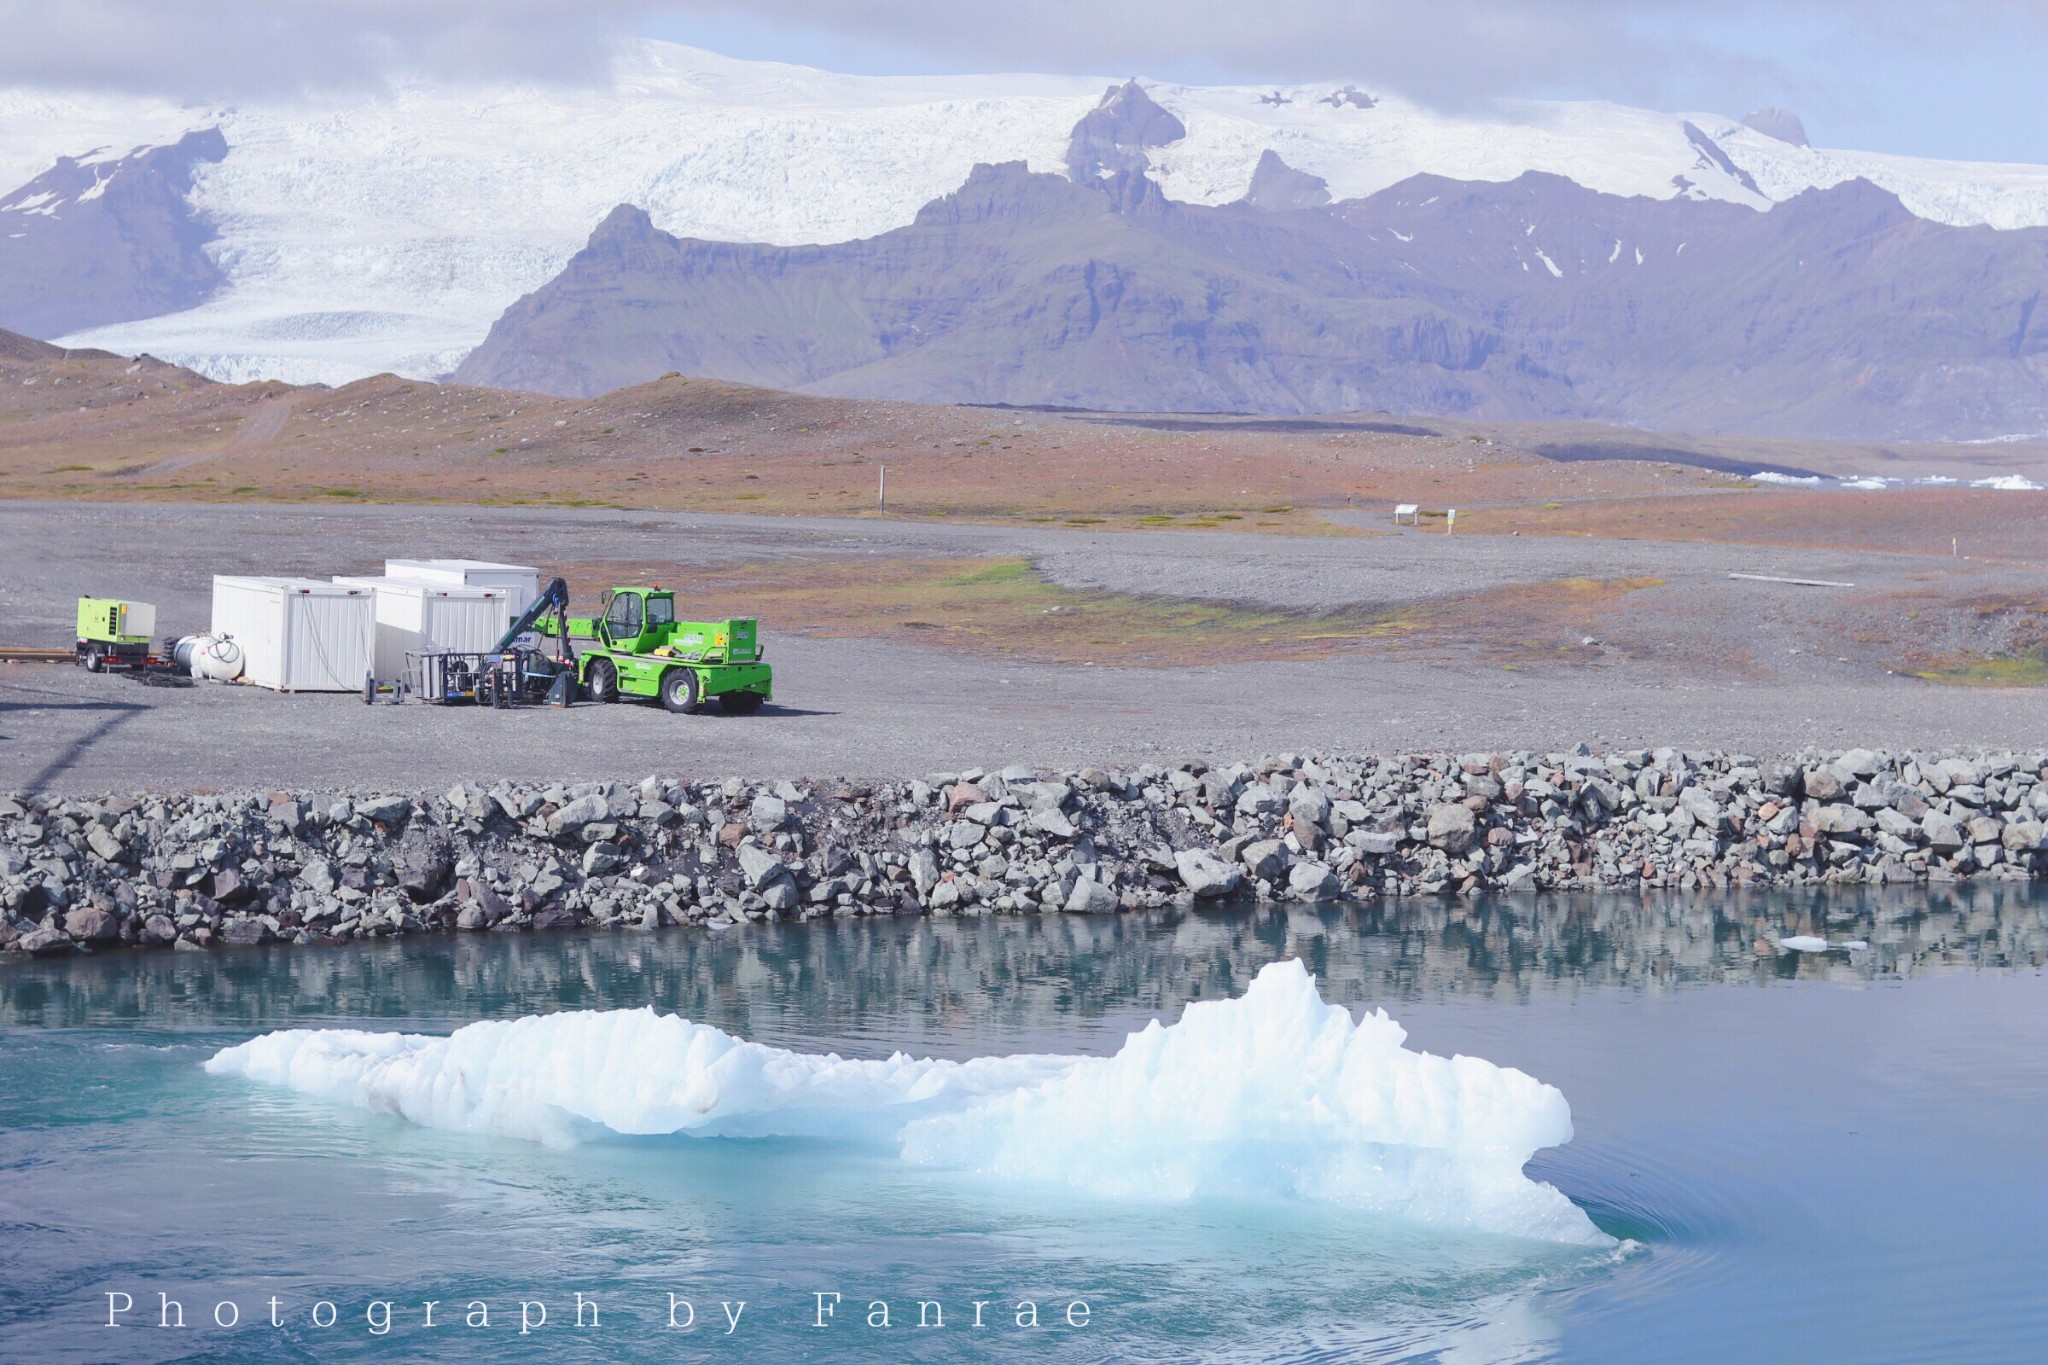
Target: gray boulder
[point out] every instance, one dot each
(1091, 897)
(104, 845)
(1822, 783)
(1700, 802)
(768, 814)
(245, 933)
(45, 943)
(1842, 819)
(1451, 827)
(572, 817)
(1311, 882)
(1265, 859)
(1208, 876)
(1051, 822)
(1260, 799)
(1308, 807)
(1377, 843)
(388, 811)
(423, 861)
(760, 866)
(90, 924)
(1944, 834)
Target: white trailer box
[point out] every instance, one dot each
(298, 634)
(419, 618)
(521, 581)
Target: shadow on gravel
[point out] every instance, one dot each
(124, 711)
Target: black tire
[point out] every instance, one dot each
(93, 662)
(679, 691)
(601, 683)
(741, 703)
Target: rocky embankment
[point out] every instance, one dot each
(192, 872)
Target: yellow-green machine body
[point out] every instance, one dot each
(114, 633)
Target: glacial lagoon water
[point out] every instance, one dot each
(1837, 1155)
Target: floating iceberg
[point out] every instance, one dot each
(558, 1077)
(1808, 943)
(1276, 1094)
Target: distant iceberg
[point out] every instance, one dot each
(1274, 1095)
(1878, 483)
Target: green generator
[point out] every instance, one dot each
(113, 633)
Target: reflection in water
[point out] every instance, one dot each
(953, 984)
(1815, 1173)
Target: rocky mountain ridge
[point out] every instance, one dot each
(108, 239)
(1836, 314)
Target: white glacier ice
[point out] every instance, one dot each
(1273, 1095)
(432, 205)
(547, 1078)
(1810, 943)
(1280, 1094)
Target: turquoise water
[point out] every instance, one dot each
(1811, 1157)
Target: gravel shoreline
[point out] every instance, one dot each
(195, 872)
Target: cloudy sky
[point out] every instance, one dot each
(1955, 78)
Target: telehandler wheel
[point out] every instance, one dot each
(741, 703)
(679, 691)
(602, 682)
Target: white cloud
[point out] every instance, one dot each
(1447, 51)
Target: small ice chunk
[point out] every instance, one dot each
(1803, 943)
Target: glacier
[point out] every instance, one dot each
(388, 231)
(1273, 1096)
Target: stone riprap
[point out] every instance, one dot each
(193, 872)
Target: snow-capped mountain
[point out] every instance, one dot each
(388, 233)
(1837, 313)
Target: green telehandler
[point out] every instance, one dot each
(635, 647)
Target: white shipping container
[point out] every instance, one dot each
(522, 581)
(298, 634)
(418, 618)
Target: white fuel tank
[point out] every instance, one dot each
(209, 656)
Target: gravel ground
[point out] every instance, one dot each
(859, 709)
(168, 555)
(866, 708)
